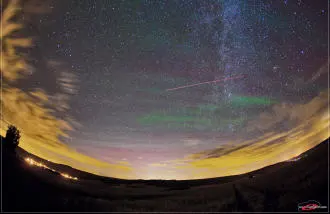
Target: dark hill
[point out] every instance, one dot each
(279, 187)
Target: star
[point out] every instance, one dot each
(126, 54)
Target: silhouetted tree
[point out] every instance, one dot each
(12, 137)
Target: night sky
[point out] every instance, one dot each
(128, 63)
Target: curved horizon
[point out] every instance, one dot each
(166, 90)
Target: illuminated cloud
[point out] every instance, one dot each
(310, 127)
(42, 117)
(286, 115)
(13, 65)
(198, 132)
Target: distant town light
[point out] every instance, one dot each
(30, 161)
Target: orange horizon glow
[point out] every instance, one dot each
(256, 155)
(32, 112)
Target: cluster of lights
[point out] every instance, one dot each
(68, 176)
(35, 163)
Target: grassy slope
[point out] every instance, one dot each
(275, 188)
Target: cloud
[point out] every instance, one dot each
(41, 117)
(13, 65)
(157, 164)
(284, 116)
(41, 131)
(125, 163)
(66, 79)
(308, 126)
(191, 142)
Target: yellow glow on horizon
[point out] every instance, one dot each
(41, 130)
(260, 154)
(265, 150)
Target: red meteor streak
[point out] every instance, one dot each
(208, 82)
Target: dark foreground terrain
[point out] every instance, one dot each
(279, 187)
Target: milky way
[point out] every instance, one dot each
(128, 56)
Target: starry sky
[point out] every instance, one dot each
(262, 66)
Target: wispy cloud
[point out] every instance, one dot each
(309, 125)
